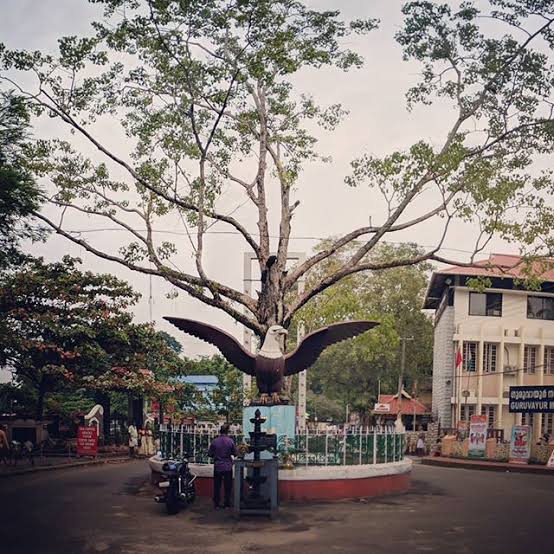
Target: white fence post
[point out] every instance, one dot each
(374, 445)
(326, 445)
(181, 442)
(344, 448)
(386, 444)
(360, 447)
(171, 442)
(307, 445)
(394, 446)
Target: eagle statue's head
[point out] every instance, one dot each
(271, 347)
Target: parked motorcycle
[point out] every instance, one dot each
(177, 485)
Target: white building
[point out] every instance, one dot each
(487, 341)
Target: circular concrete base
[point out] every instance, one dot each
(308, 483)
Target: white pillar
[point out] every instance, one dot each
(500, 369)
(479, 369)
(520, 361)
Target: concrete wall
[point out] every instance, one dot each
(443, 367)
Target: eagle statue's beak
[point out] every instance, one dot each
(283, 332)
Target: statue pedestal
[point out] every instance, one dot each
(280, 420)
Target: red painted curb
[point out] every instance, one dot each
(327, 489)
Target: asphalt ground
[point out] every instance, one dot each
(109, 508)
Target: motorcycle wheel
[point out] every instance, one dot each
(191, 492)
(172, 500)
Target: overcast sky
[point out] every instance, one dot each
(378, 123)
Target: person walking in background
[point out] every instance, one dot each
(222, 451)
(420, 446)
(4, 445)
(133, 439)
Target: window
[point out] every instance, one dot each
(485, 303)
(527, 419)
(547, 424)
(540, 307)
(490, 412)
(489, 357)
(529, 359)
(549, 360)
(467, 411)
(469, 356)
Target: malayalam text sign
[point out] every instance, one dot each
(532, 399)
(87, 441)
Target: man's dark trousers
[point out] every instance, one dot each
(227, 478)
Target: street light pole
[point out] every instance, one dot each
(401, 375)
(402, 364)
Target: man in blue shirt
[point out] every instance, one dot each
(221, 450)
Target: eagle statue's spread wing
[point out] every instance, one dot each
(231, 349)
(309, 350)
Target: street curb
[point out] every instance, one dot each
(500, 467)
(64, 466)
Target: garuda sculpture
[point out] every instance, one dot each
(270, 365)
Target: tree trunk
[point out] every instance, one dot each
(161, 412)
(270, 300)
(40, 399)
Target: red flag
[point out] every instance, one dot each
(459, 358)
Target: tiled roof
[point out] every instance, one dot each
(407, 405)
(500, 266)
(504, 265)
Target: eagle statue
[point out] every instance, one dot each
(270, 365)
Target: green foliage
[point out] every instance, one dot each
(227, 396)
(194, 63)
(63, 329)
(19, 193)
(205, 92)
(500, 85)
(348, 373)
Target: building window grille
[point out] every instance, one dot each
(549, 360)
(490, 412)
(540, 307)
(529, 359)
(485, 303)
(547, 425)
(489, 357)
(469, 356)
(526, 419)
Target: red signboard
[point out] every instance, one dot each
(87, 441)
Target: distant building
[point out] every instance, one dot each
(204, 384)
(485, 342)
(388, 407)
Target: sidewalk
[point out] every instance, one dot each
(486, 465)
(54, 463)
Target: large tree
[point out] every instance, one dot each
(392, 296)
(19, 193)
(57, 324)
(204, 92)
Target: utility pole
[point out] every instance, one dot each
(401, 376)
(402, 365)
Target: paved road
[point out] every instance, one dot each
(109, 509)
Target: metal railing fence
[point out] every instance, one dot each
(353, 447)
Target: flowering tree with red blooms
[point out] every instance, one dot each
(63, 329)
